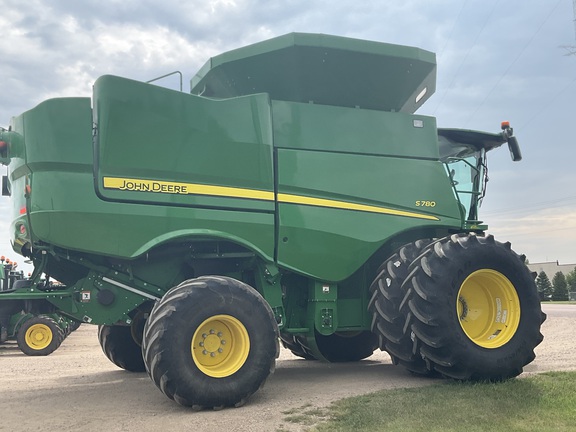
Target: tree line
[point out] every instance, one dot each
(558, 288)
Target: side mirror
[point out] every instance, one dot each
(513, 146)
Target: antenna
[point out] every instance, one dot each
(574, 8)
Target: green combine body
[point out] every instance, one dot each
(293, 194)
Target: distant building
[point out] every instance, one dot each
(551, 268)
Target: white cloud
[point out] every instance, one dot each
(497, 61)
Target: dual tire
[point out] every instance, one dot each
(465, 306)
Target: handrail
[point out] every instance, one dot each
(167, 75)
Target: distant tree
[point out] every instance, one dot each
(571, 280)
(544, 286)
(560, 286)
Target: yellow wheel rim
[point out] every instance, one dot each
(38, 336)
(488, 308)
(220, 346)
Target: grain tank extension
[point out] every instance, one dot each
(292, 196)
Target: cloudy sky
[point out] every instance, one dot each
(497, 60)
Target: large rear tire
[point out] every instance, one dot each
(39, 336)
(474, 308)
(388, 322)
(210, 342)
(121, 348)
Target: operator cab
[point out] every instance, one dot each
(464, 154)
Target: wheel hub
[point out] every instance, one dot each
(488, 308)
(220, 346)
(38, 336)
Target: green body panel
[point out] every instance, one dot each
(66, 209)
(295, 165)
(356, 157)
(147, 132)
(358, 130)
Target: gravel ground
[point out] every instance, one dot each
(77, 388)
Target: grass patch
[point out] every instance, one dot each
(544, 402)
(305, 415)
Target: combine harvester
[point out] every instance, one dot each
(292, 195)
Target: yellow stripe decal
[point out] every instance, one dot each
(319, 202)
(141, 185)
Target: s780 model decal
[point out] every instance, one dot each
(425, 203)
(156, 186)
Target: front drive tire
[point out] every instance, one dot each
(475, 311)
(210, 342)
(39, 336)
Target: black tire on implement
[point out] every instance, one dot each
(39, 336)
(210, 342)
(475, 311)
(121, 348)
(388, 322)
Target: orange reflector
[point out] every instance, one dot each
(3, 145)
(28, 189)
(505, 124)
(22, 229)
(23, 210)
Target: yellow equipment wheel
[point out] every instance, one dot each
(39, 336)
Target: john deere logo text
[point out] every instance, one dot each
(153, 186)
(143, 185)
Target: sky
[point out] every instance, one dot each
(497, 60)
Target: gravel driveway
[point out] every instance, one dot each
(78, 389)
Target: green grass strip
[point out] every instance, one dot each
(545, 402)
